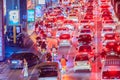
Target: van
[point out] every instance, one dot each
(82, 62)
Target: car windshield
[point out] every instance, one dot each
(109, 29)
(48, 71)
(17, 56)
(81, 58)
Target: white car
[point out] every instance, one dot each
(64, 40)
(81, 62)
(106, 30)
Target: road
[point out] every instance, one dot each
(69, 52)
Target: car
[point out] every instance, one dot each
(60, 31)
(112, 46)
(81, 62)
(49, 71)
(65, 40)
(85, 38)
(15, 61)
(110, 36)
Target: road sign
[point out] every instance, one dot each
(14, 17)
(31, 15)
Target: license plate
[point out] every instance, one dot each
(14, 62)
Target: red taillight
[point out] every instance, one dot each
(105, 49)
(75, 64)
(91, 53)
(116, 38)
(111, 44)
(118, 48)
(85, 50)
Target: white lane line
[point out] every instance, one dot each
(32, 72)
(69, 53)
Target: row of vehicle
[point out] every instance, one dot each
(110, 39)
(85, 55)
(110, 42)
(116, 6)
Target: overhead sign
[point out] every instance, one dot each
(31, 15)
(14, 17)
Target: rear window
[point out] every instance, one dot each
(109, 29)
(85, 48)
(85, 36)
(110, 36)
(65, 36)
(81, 58)
(85, 31)
(48, 71)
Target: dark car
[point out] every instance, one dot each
(85, 38)
(49, 71)
(112, 46)
(16, 59)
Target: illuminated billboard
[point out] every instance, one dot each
(14, 17)
(38, 11)
(31, 15)
(30, 4)
(2, 46)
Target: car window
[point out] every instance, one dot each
(81, 58)
(48, 71)
(29, 56)
(110, 36)
(17, 56)
(85, 31)
(85, 48)
(109, 29)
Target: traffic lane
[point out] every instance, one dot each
(77, 76)
(63, 50)
(17, 74)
